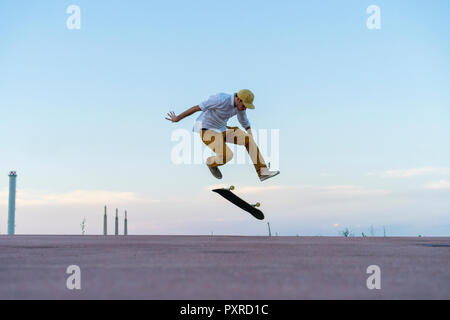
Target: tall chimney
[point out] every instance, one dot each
(125, 226)
(117, 222)
(12, 203)
(105, 224)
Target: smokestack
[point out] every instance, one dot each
(12, 203)
(105, 224)
(125, 226)
(117, 222)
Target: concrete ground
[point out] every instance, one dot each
(221, 267)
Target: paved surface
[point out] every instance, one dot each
(217, 267)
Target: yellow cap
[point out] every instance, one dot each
(247, 98)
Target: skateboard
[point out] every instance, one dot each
(250, 208)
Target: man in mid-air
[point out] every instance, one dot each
(214, 132)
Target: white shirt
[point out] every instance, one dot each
(216, 111)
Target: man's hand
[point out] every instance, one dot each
(172, 117)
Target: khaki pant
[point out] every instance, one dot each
(216, 141)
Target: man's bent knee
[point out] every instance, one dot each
(228, 155)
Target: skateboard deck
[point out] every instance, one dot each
(230, 196)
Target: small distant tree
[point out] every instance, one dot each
(83, 226)
(346, 233)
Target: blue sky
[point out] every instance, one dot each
(364, 115)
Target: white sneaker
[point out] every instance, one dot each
(267, 174)
(215, 172)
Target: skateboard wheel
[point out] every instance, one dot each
(231, 188)
(257, 204)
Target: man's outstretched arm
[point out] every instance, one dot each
(174, 118)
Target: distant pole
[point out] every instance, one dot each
(270, 234)
(125, 225)
(105, 224)
(117, 222)
(12, 203)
